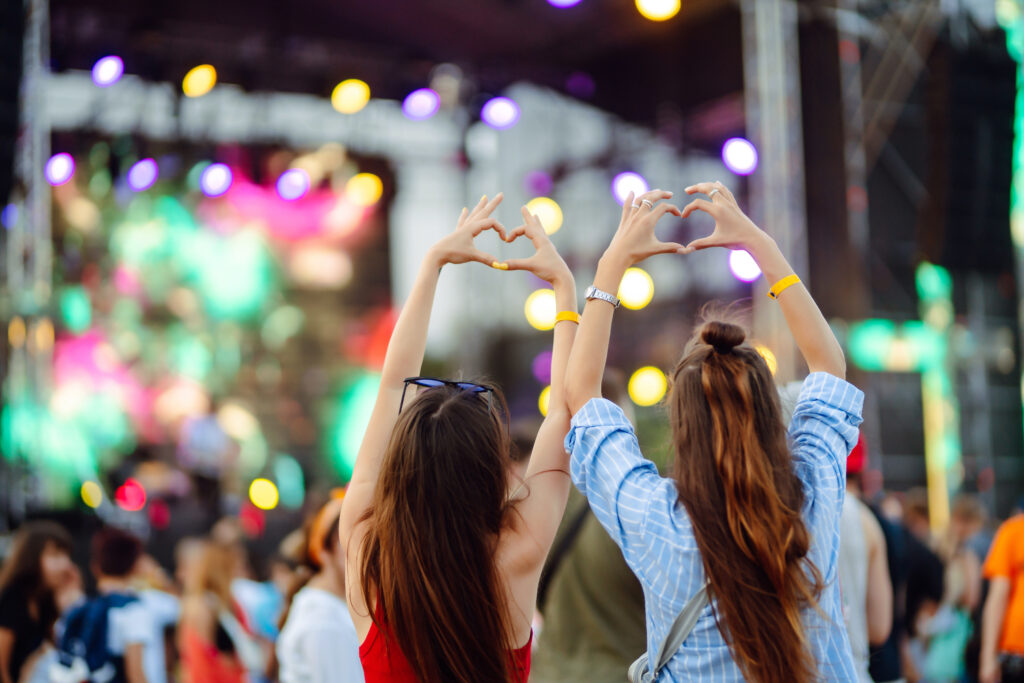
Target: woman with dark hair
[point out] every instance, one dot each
(39, 564)
(444, 554)
(751, 516)
(318, 641)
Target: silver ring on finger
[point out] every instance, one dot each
(637, 206)
(713, 192)
(647, 203)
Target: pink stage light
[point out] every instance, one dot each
(500, 113)
(293, 184)
(107, 71)
(743, 266)
(143, 174)
(421, 104)
(627, 182)
(740, 156)
(59, 169)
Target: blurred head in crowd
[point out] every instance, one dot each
(217, 566)
(38, 567)
(115, 553)
(915, 513)
(443, 484)
(734, 473)
(966, 517)
(187, 556)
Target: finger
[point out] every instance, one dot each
(661, 209)
(668, 247)
(702, 205)
(654, 196)
(530, 222)
(685, 250)
(520, 264)
(492, 205)
(703, 188)
(462, 217)
(725, 191)
(486, 259)
(626, 206)
(516, 233)
(702, 243)
(478, 226)
(475, 212)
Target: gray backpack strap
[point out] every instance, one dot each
(681, 628)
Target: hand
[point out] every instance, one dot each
(635, 241)
(547, 263)
(732, 227)
(458, 247)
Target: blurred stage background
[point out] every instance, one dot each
(212, 210)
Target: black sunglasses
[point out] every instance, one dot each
(433, 383)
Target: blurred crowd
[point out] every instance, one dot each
(918, 606)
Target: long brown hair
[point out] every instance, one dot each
(22, 573)
(428, 556)
(735, 476)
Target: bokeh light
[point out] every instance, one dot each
(421, 104)
(215, 180)
(107, 70)
(541, 367)
(500, 113)
(350, 96)
(627, 182)
(647, 386)
(130, 496)
(658, 10)
(364, 189)
(562, 4)
(92, 494)
(580, 84)
(740, 156)
(541, 309)
(636, 289)
(143, 174)
(293, 184)
(548, 212)
(538, 182)
(199, 80)
(59, 169)
(769, 357)
(263, 494)
(9, 216)
(743, 266)
(544, 401)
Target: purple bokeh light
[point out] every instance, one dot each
(538, 183)
(743, 266)
(143, 174)
(562, 4)
(580, 85)
(740, 156)
(542, 367)
(421, 104)
(500, 113)
(59, 169)
(9, 216)
(107, 70)
(627, 182)
(293, 184)
(215, 180)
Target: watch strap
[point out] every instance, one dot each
(595, 293)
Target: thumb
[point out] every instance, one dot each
(484, 258)
(519, 264)
(702, 243)
(669, 248)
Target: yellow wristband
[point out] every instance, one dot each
(571, 316)
(782, 285)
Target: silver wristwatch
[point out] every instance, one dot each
(595, 293)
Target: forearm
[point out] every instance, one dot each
(590, 350)
(408, 343)
(563, 337)
(810, 330)
(992, 623)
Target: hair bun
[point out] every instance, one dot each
(723, 336)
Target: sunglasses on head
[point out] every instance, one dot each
(433, 383)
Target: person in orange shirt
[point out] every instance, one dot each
(1002, 629)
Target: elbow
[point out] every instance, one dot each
(575, 398)
(878, 632)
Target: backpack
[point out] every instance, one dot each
(641, 670)
(83, 653)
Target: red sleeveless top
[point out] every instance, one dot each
(381, 665)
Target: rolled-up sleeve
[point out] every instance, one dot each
(626, 493)
(824, 429)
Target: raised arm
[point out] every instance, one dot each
(633, 242)
(734, 230)
(547, 477)
(405, 354)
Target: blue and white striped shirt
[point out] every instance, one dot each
(642, 513)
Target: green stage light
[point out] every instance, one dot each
(75, 308)
(290, 480)
(351, 415)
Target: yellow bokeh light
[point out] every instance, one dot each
(544, 401)
(541, 309)
(636, 289)
(92, 494)
(547, 211)
(263, 494)
(647, 386)
(350, 96)
(199, 81)
(769, 357)
(658, 10)
(44, 334)
(16, 332)
(364, 189)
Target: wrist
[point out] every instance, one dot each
(610, 270)
(434, 258)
